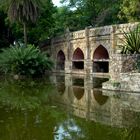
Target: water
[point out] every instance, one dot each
(66, 108)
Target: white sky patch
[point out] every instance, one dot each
(57, 3)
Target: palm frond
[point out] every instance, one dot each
(131, 41)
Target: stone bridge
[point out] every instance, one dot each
(88, 51)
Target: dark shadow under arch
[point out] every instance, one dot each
(101, 60)
(60, 60)
(78, 59)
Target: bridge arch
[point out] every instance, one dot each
(101, 60)
(60, 60)
(78, 59)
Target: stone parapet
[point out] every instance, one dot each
(98, 31)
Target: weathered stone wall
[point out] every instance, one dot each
(130, 82)
(88, 40)
(123, 73)
(122, 63)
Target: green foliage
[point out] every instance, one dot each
(42, 29)
(45, 25)
(131, 42)
(130, 10)
(24, 11)
(29, 61)
(96, 12)
(116, 84)
(74, 14)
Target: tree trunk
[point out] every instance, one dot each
(25, 34)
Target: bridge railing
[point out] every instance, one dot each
(121, 28)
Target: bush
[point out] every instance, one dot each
(28, 61)
(131, 42)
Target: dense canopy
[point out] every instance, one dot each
(44, 20)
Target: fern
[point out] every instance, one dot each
(27, 61)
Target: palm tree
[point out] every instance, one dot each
(24, 11)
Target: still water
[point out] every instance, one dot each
(66, 107)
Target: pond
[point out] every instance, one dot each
(66, 107)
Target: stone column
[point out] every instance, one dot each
(68, 62)
(115, 59)
(115, 67)
(68, 66)
(87, 62)
(113, 40)
(112, 52)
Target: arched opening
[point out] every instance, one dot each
(60, 60)
(78, 59)
(101, 60)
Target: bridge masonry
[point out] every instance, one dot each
(89, 51)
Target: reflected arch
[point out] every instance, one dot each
(99, 97)
(60, 60)
(78, 59)
(78, 92)
(101, 60)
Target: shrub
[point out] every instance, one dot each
(131, 41)
(28, 61)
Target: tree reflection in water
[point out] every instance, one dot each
(24, 94)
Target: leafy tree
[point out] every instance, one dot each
(44, 27)
(96, 12)
(67, 18)
(130, 10)
(24, 11)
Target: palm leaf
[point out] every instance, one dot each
(131, 41)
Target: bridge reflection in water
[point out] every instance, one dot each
(83, 97)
